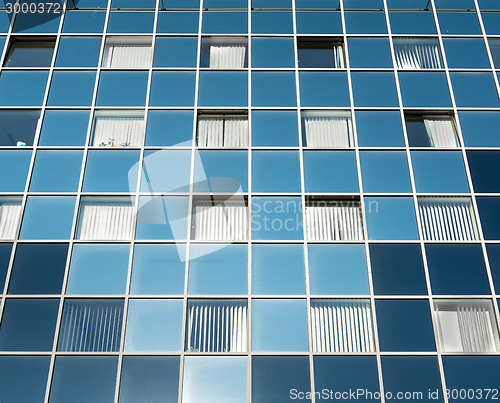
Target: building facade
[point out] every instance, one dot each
(255, 201)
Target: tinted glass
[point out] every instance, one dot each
(223, 88)
(459, 23)
(165, 171)
(474, 90)
(369, 52)
(272, 22)
(14, 165)
(488, 213)
(81, 84)
(424, 89)
(131, 22)
(78, 52)
(479, 129)
(385, 172)
(273, 89)
(276, 218)
(272, 52)
(169, 88)
(365, 23)
(379, 129)
(476, 53)
(275, 129)
(482, 164)
(323, 89)
(374, 89)
(275, 171)
(30, 53)
(122, 88)
(18, 126)
(228, 22)
(169, 128)
(175, 52)
(56, 171)
(5, 251)
(22, 88)
(84, 21)
(319, 22)
(412, 22)
(55, 122)
(178, 21)
(221, 171)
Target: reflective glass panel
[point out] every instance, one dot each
(275, 129)
(323, 89)
(275, 171)
(276, 218)
(56, 171)
(223, 88)
(122, 88)
(14, 165)
(385, 172)
(169, 128)
(379, 129)
(54, 129)
(482, 164)
(475, 90)
(374, 89)
(172, 88)
(273, 52)
(78, 51)
(273, 89)
(18, 127)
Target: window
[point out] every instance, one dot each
(18, 127)
(118, 129)
(220, 219)
(327, 129)
(417, 54)
(223, 53)
(128, 53)
(222, 130)
(333, 220)
(431, 131)
(316, 53)
(495, 51)
(105, 218)
(466, 326)
(447, 219)
(217, 326)
(91, 325)
(10, 215)
(27, 52)
(341, 326)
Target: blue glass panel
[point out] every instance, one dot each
(482, 164)
(37, 22)
(29, 53)
(22, 88)
(276, 218)
(476, 57)
(272, 22)
(221, 171)
(5, 251)
(338, 270)
(98, 269)
(365, 23)
(379, 129)
(374, 89)
(225, 4)
(18, 126)
(111, 171)
(169, 88)
(321, 4)
(24, 318)
(166, 171)
(178, 22)
(476, 90)
(153, 325)
(78, 52)
(404, 325)
(122, 88)
(369, 52)
(479, 129)
(275, 129)
(488, 213)
(275, 171)
(330, 171)
(273, 52)
(133, 3)
(158, 269)
(38, 268)
(363, 4)
(439, 172)
(488, 5)
(48, 217)
(279, 325)
(491, 23)
(390, 218)
(424, 89)
(169, 128)
(223, 88)
(83, 22)
(412, 22)
(408, 4)
(87, 4)
(319, 22)
(14, 166)
(71, 88)
(459, 23)
(130, 22)
(56, 171)
(493, 257)
(323, 89)
(54, 129)
(225, 22)
(271, 4)
(278, 270)
(385, 172)
(222, 271)
(455, 4)
(457, 269)
(273, 89)
(175, 52)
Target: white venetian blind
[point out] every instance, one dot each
(417, 54)
(10, 215)
(217, 326)
(112, 220)
(447, 219)
(467, 326)
(91, 325)
(338, 56)
(227, 56)
(129, 53)
(121, 129)
(328, 131)
(440, 131)
(220, 222)
(341, 326)
(334, 221)
(223, 131)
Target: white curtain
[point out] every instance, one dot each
(227, 57)
(217, 326)
(414, 54)
(467, 327)
(220, 222)
(134, 55)
(440, 131)
(10, 215)
(338, 222)
(223, 131)
(328, 131)
(338, 55)
(120, 129)
(91, 325)
(447, 219)
(106, 221)
(341, 326)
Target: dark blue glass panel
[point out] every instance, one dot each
(272, 22)
(23, 88)
(476, 57)
(37, 22)
(225, 22)
(412, 22)
(56, 171)
(275, 129)
(476, 90)
(166, 171)
(83, 22)
(275, 171)
(71, 88)
(29, 53)
(38, 268)
(277, 218)
(404, 325)
(397, 269)
(54, 129)
(374, 89)
(483, 165)
(318, 54)
(408, 4)
(459, 23)
(273, 52)
(494, 260)
(379, 129)
(78, 52)
(130, 22)
(424, 90)
(480, 129)
(319, 22)
(365, 23)
(169, 128)
(385, 172)
(14, 166)
(323, 89)
(273, 89)
(5, 251)
(457, 269)
(122, 88)
(23, 319)
(223, 88)
(221, 171)
(488, 213)
(175, 52)
(178, 22)
(369, 52)
(172, 88)
(18, 126)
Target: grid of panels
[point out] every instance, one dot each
(283, 178)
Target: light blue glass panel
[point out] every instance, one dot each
(272, 22)
(439, 172)
(330, 171)
(223, 88)
(131, 22)
(158, 269)
(111, 171)
(459, 23)
(218, 269)
(424, 90)
(480, 129)
(273, 89)
(37, 22)
(122, 88)
(162, 217)
(98, 269)
(379, 129)
(175, 52)
(14, 166)
(273, 52)
(474, 57)
(225, 22)
(56, 171)
(369, 52)
(389, 218)
(359, 22)
(71, 88)
(275, 171)
(338, 270)
(83, 21)
(385, 172)
(374, 89)
(166, 171)
(48, 217)
(215, 380)
(153, 325)
(412, 23)
(22, 88)
(172, 88)
(319, 22)
(178, 22)
(278, 218)
(54, 129)
(323, 89)
(169, 128)
(275, 129)
(279, 325)
(475, 90)
(278, 270)
(78, 52)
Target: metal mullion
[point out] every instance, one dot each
(249, 208)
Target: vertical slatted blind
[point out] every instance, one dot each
(10, 215)
(334, 221)
(417, 54)
(221, 222)
(328, 131)
(217, 326)
(227, 56)
(440, 131)
(124, 130)
(341, 326)
(128, 53)
(447, 219)
(91, 325)
(338, 56)
(223, 131)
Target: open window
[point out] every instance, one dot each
(118, 128)
(30, 52)
(417, 53)
(321, 53)
(128, 52)
(224, 53)
(431, 131)
(327, 129)
(222, 130)
(10, 216)
(18, 127)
